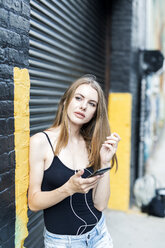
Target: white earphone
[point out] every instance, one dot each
(85, 223)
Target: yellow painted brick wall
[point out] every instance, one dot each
(21, 135)
(119, 111)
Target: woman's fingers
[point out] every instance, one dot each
(114, 136)
(89, 187)
(112, 140)
(92, 179)
(90, 183)
(109, 146)
(82, 185)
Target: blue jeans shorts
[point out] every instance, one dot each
(98, 237)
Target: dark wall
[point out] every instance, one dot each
(121, 27)
(127, 37)
(14, 46)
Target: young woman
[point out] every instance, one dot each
(61, 159)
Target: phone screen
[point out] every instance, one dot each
(100, 172)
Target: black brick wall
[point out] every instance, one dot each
(121, 27)
(14, 47)
(128, 36)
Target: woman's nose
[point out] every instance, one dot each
(83, 105)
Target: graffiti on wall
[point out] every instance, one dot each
(154, 96)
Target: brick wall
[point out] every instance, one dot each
(14, 46)
(121, 27)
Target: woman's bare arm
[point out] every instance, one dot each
(101, 192)
(38, 199)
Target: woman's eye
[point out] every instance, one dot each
(78, 98)
(92, 104)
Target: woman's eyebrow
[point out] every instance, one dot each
(84, 97)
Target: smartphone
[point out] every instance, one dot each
(100, 172)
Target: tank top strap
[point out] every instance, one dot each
(49, 140)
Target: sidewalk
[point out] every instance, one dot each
(156, 163)
(134, 229)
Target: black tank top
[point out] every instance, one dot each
(74, 215)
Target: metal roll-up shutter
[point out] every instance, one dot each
(67, 40)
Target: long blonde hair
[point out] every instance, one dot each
(94, 132)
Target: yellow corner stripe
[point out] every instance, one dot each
(21, 135)
(119, 111)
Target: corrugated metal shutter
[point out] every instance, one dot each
(67, 40)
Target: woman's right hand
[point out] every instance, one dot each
(77, 184)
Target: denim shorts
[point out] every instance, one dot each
(98, 237)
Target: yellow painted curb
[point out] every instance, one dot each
(21, 136)
(119, 112)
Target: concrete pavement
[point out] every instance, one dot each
(133, 229)
(156, 163)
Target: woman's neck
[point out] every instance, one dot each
(74, 132)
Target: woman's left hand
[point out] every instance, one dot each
(109, 148)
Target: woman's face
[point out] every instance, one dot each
(83, 105)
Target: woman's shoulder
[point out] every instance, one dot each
(53, 134)
(41, 138)
(38, 139)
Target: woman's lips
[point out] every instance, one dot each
(80, 115)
